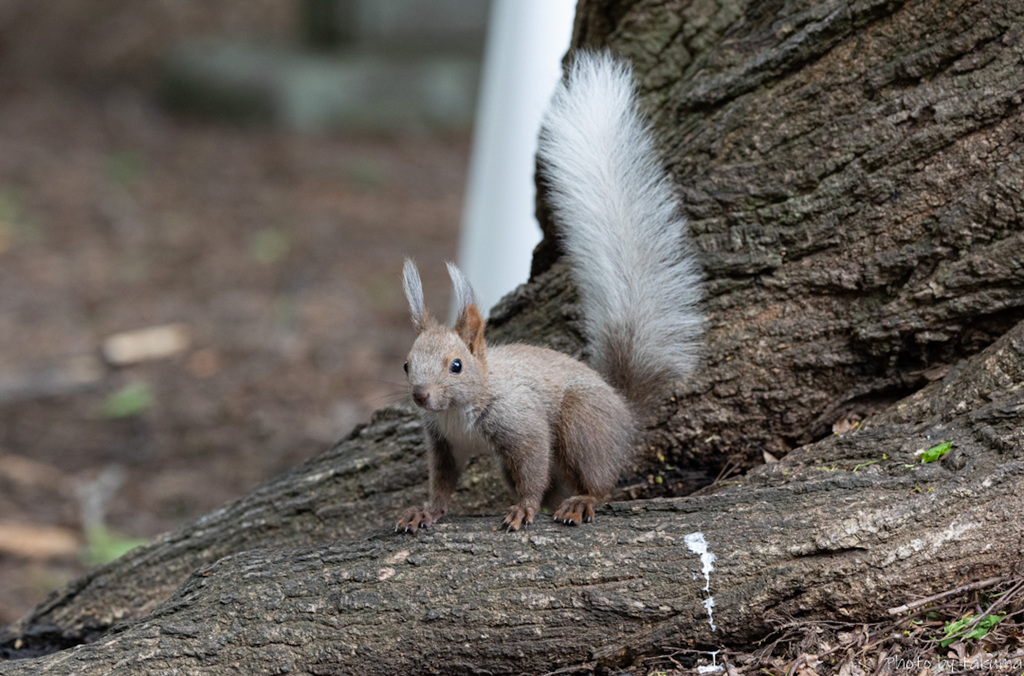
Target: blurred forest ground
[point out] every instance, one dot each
(279, 252)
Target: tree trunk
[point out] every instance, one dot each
(854, 177)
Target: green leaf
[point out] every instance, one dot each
(955, 628)
(125, 168)
(366, 172)
(15, 225)
(130, 400)
(268, 246)
(104, 545)
(936, 452)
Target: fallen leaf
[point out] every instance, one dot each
(154, 342)
(34, 541)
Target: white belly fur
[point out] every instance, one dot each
(457, 427)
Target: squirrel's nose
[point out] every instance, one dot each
(420, 394)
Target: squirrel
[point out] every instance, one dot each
(563, 431)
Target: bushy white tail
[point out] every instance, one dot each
(629, 247)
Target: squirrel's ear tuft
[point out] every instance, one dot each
(464, 294)
(414, 294)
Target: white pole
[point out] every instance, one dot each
(526, 41)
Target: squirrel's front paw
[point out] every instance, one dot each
(415, 518)
(518, 516)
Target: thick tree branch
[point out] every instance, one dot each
(838, 529)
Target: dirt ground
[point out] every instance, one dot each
(278, 254)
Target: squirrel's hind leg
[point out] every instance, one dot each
(567, 507)
(595, 438)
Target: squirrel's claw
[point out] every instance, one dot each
(518, 517)
(415, 518)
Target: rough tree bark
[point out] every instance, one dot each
(854, 176)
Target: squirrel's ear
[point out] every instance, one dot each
(414, 294)
(470, 327)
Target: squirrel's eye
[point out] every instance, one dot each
(456, 366)
(406, 366)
